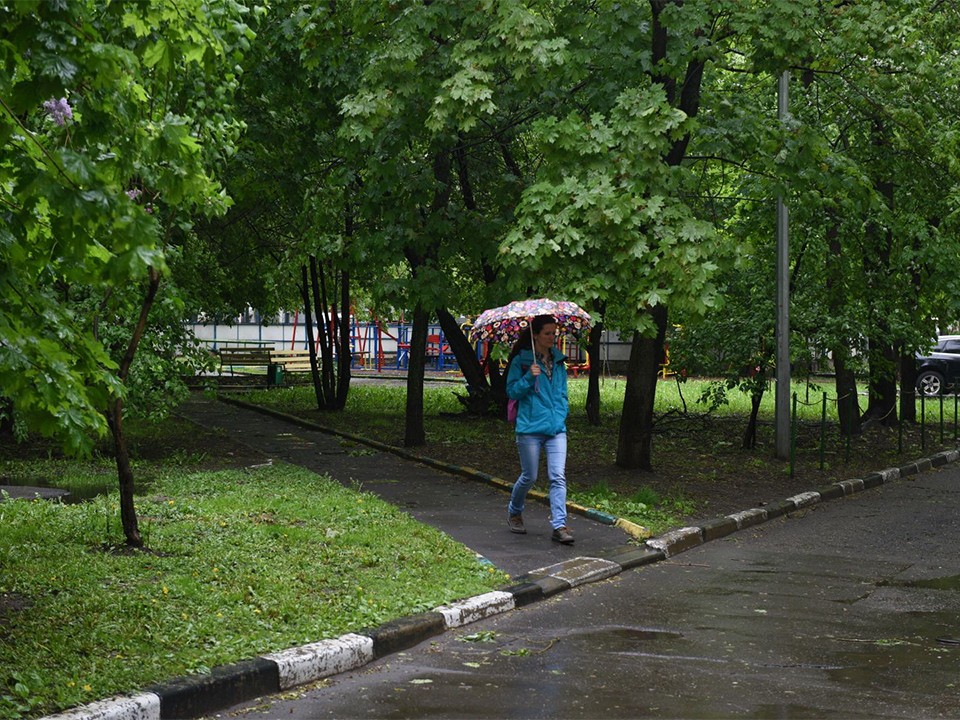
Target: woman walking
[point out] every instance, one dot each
(537, 380)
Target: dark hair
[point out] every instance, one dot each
(526, 338)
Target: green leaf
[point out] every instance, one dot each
(157, 54)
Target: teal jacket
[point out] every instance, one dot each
(542, 406)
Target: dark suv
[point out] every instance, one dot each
(939, 369)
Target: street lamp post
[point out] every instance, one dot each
(782, 400)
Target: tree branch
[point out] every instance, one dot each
(141, 324)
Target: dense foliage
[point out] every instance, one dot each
(112, 117)
(451, 156)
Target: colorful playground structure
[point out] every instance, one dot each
(375, 344)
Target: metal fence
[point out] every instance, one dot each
(935, 424)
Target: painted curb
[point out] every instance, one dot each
(309, 663)
(580, 571)
(225, 685)
(145, 706)
(638, 532)
(287, 669)
(476, 608)
(676, 541)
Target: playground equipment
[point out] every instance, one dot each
(374, 344)
(382, 345)
(665, 370)
(438, 351)
(371, 342)
(578, 359)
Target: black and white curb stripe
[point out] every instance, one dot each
(276, 672)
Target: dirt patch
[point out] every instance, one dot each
(181, 442)
(11, 604)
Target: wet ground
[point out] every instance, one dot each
(847, 610)
(29, 492)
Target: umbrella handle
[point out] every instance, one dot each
(533, 348)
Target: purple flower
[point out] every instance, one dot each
(59, 110)
(134, 193)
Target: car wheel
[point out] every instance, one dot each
(930, 383)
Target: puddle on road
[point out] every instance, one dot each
(623, 638)
(919, 653)
(950, 582)
(867, 665)
(795, 711)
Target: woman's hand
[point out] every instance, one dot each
(535, 370)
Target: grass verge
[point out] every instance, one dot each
(240, 562)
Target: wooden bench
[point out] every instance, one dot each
(243, 357)
(292, 361)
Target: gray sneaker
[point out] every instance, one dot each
(515, 523)
(563, 536)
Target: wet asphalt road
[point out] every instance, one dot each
(844, 610)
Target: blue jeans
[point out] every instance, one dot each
(529, 447)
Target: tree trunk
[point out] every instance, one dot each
(479, 398)
(114, 415)
(343, 369)
(330, 370)
(328, 376)
(6, 417)
(308, 326)
(636, 422)
(883, 356)
(845, 382)
(323, 379)
(498, 378)
(593, 386)
(750, 434)
(848, 406)
(908, 361)
(415, 432)
(422, 254)
(882, 403)
(908, 388)
(128, 511)
(634, 447)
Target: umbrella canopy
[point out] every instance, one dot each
(504, 324)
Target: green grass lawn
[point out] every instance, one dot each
(239, 562)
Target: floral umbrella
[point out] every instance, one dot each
(504, 324)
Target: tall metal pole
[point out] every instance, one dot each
(782, 404)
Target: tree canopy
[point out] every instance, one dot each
(112, 117)
(448, 156)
